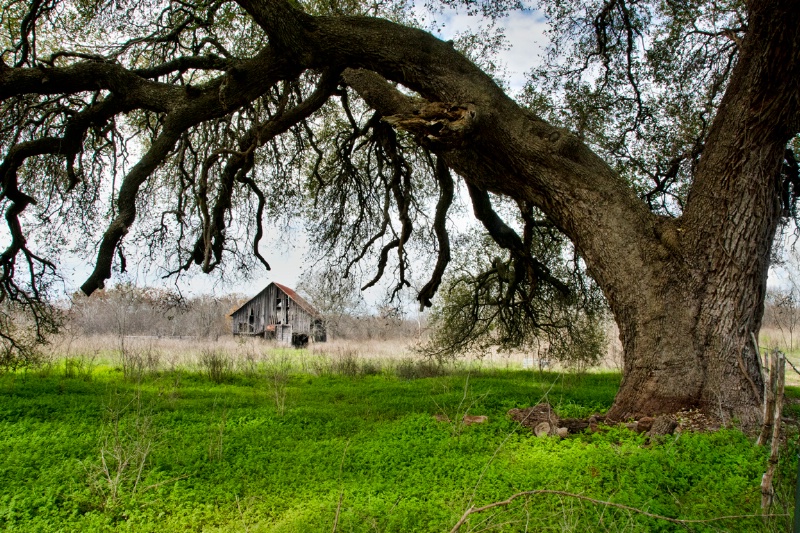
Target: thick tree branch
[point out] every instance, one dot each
(182, 64)
(506, 150)
(379, 93)
(89, 76)
(761, 107)
(500, 231)
(446, 190)
(216, 100)
(240, 163)
(126, 202)
(507, 238)
(400, 187)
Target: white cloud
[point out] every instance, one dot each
(525, 33)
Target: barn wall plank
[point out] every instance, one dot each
(271, 307)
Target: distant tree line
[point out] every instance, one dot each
(348, 316)
(782, 301)
(782, 312)
(129, 310)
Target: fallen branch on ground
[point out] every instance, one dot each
(503, 503)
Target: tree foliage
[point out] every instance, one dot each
(209, 171)
(494, 298)
(654, 139)
(641, 83)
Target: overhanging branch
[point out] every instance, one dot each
(446, 189)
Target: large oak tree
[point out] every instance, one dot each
(211, 111)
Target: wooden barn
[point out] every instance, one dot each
(281, 314)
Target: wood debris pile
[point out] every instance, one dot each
(543, 421)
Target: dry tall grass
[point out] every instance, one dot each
(775, 338)
(136, 355)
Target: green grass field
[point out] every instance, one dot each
(291, 451)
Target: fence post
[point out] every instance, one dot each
(797, 499)
(778, 381)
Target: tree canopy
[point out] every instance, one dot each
(655, 138)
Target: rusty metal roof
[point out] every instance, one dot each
(299, 300)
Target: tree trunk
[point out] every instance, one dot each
(685, 292)
(687, 341)
(687, 345)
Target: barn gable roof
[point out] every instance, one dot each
(299, 300)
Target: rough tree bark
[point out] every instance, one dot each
(688, 344)
(686, 292)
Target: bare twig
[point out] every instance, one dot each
(747, 375)
(509, 500)
(241, 515)
(341, 490)
(791, 365)
(171, 480)
(769, 398)
(758, 355)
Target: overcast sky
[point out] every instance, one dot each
(524, 32)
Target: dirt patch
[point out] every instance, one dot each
(467, 420)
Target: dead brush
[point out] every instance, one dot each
(277, 373)
(216, 438)
(216, 364)
(247, 363)
(128, 438)
(345, 362)
(139, 361)
(320, 365)
(418, 369)
(80, 366)
(169, 388)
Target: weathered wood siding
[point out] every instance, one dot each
(274, 307)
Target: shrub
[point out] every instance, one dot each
(345, 363)
(79, 366)
(370, 368)
(411, 369)
(278, 371)
(136, 362)
(216, 364)
(128, 438)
